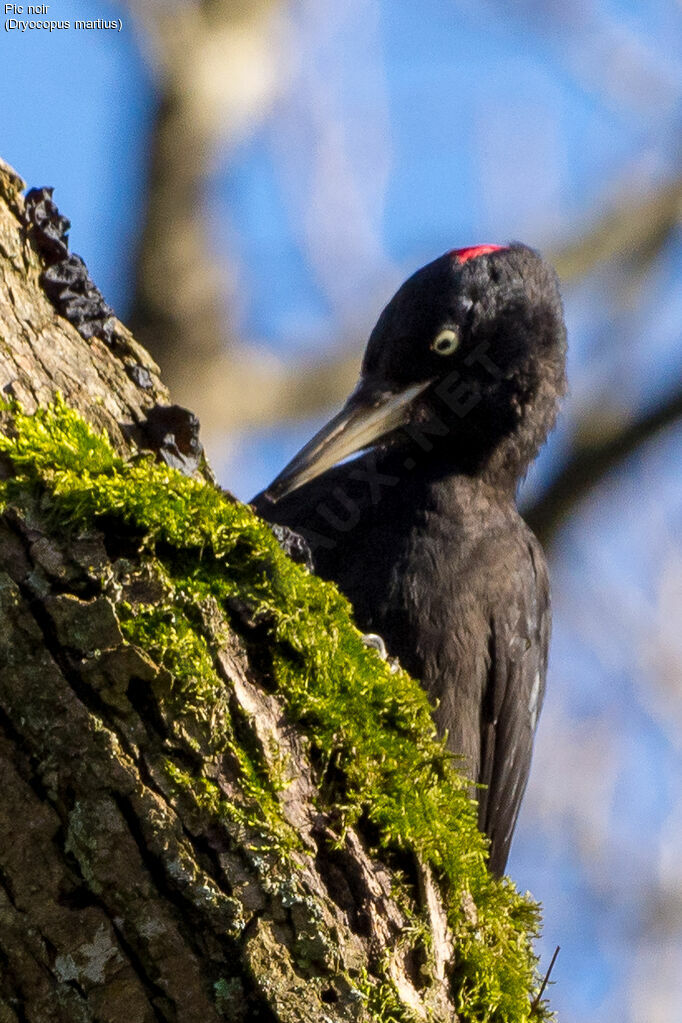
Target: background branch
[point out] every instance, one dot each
(592, 459)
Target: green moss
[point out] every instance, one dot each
(382, 1001)
(371, 731)
(197, 693)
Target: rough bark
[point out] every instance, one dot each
(119, 898)
(41, 354)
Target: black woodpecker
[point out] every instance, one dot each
(459, 387)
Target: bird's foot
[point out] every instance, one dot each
(377, 643)
(293, 544)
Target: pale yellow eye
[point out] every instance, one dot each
(445, 342)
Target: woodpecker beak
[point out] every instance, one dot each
(368, 415)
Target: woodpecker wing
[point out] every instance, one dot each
(519, 640)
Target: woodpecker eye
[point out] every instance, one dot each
(445, 342)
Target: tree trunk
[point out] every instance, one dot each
(189, 830)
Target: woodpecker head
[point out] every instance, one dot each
(465, 367)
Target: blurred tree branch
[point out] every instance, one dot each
(635, 228)
(217, 73)
(590, 461)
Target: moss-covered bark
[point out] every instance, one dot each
(216, 803)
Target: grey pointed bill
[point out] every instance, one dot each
(368, 415)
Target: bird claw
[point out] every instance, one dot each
(375, 641)
(294, 545)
